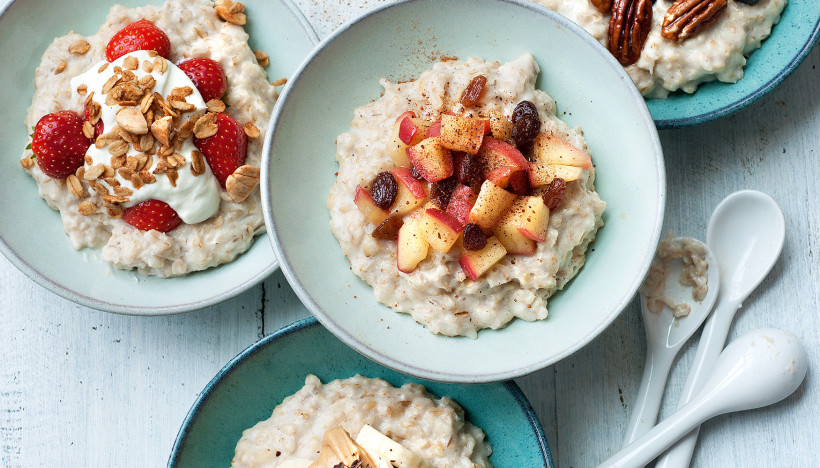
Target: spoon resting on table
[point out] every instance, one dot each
(745, 234)
(666, 333)
(757, 369)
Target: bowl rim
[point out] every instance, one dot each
(349, 338)
(306, 324)
(60, 289)
(753, 96)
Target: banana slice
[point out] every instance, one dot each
(338, 447)
(295, 463)
(378, 444)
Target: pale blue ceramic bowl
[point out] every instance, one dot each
(247, 389)
(398, 42)
(31, 234)
(791, 41)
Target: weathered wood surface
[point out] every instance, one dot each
(80, 387)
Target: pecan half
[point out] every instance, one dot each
(604, 6)
(686, 18)
(628, 29)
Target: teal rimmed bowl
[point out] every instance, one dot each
(247, 389)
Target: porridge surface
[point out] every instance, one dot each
(194, 30)
(718, 53)
(432, 428)
(437, 294)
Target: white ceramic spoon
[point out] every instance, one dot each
(757, 369)
(665, 335)
(745, 234)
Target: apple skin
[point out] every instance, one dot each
(476, 262)
(555, 151)
(543, 174)
(364, 201)
(510, 177)
(431, 159)
(407, 130)
(462, 133)
(411, 248)
(461, 202)
(535, 220)
(439, 229)
(496, 153)
(405, 114)
(403, 176)
(491, 205)
(435, 129)
(397, 143)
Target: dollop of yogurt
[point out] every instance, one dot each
(194, 198)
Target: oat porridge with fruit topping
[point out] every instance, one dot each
(146, 136)
(667, 46)
(462, 199)
(366, 423)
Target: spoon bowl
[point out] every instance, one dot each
(665, 336)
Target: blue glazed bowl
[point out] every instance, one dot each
(791, 41)
(247, 389)
(31, 234)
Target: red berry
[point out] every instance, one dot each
(207, 75)
(225, 151)
(152, 214)
(99, 127)
(59, 143)
(142, 35)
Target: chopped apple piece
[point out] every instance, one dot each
(439, 229)
(407, 131)
(551, 150)
(500, 127)
(495, 153)
(411, 192)
(491, 204)
(462, 133)
(435, 129)
(512, 177)
(411, 248)
(508, 233)
(431, 159)
(364, 200)
(461, 202)
(542, 174)
(476, 262)
(534, 218)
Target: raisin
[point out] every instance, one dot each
(555, 193)
(472, 94)
(415, 173)
(474, 237)
(388, 229)
(470, 172)
(524, 108)
(441, 191)
(384, 190)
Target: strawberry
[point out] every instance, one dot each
(99, 127)
(59, 143)
(152, 214)
(141, 35)
(207, 75)
(226, 150)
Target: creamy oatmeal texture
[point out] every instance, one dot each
(438, 294)
(194, 31)
(718, 53)
(434, 429)
(693, 274)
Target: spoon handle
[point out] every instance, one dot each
(650, 393)
(712, 341)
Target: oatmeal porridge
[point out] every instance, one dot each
(692, 254)
(161, 117)
(689, 41)
(363, 419)
(462, 199)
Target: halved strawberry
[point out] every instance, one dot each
(140, 35)
(59, 143)
(152, 214)
(226, 150)
(207, 75)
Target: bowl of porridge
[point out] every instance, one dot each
(116, 200)
(412, 261)
(277, 405)
(701, 60)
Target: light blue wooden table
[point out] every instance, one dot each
(85, 388)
